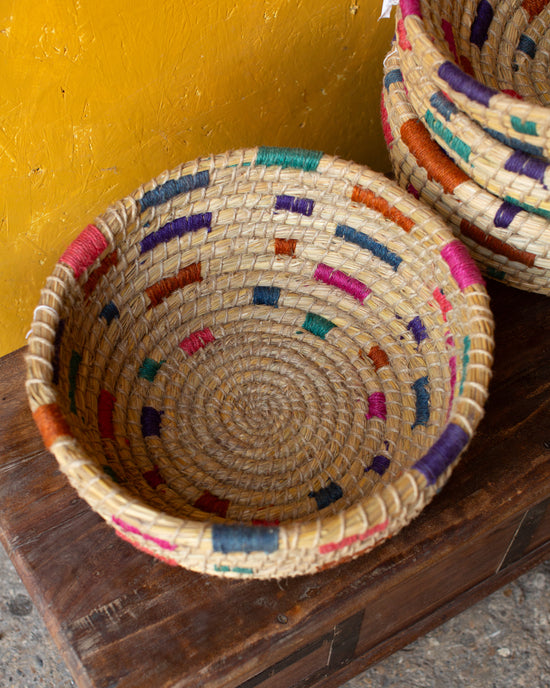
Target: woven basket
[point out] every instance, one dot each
(485, 56)
(261, 363)
(512, 174)
(508, 243)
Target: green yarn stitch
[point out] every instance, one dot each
(524, 127)
(465, 361)
(289, 157)
(459, 146)
(317, 325)
(526, 206)
(149, 368)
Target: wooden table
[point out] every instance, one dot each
(123, 620)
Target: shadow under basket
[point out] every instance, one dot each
(262, 363)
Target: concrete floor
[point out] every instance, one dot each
(502, 642)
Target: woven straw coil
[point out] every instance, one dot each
(509, 243)
(261, 363)
(489, 57)
(511, 174)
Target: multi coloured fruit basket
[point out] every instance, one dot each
(261, 363)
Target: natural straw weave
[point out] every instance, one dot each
(261, 363)
(513, 175)
(508, 243)
(490, 58)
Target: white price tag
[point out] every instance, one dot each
(386, 8)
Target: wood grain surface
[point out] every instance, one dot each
(124, 620)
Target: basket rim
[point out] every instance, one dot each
(488, 105)
(489, 162)
(371, 519)
(531, 232)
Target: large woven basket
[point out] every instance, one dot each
(491, 58)
(261, 363)
(509, 243)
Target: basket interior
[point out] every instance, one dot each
(262, 347)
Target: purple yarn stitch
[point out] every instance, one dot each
(505, 214)
(480, 25)
(463, 83)
(176, 228)
(522, 163)
(442, 453)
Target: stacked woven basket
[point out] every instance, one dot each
(262, 363)
(465, 109)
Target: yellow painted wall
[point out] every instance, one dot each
(99, 96)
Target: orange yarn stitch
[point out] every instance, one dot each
(370, 199)
(160, 290)
(51, 423)
(496, 245)
(431, 157)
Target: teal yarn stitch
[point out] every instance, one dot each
(149, 368)
(523, 127)
(465, 361)
(317, 325)
(298, 158)
(459, 146)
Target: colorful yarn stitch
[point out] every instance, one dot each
(266, 296)
(418, 329)
(109, 312)
(462, 266)
(522, 127)
(422, 401)
(379, 357)
(132, 529)
(303, 206)
(371, 200)
(336, 278)
(442, 453)
(149, 368)
(465, 361)
(211, 504)
(456, 144)
(317, 325)
(154, 477)
(379, 464)
(51, 423)
(176, 228)
(481, 23)
(347, 541)
(56, 350)
(443, 105)
(430, 156)
(150, 421)
(364, 241)
(174, 187)
(237, 538)
(105, 407)
(527, 45)
(444, 304)
(285, 247)
(377, 406)
(197, 340)
(327, 495)
(466, 84)
(289, 157)
(496, 245)
(84, 250)
(521, 163)
(110, 260)
(409, 7)
(162, 289)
